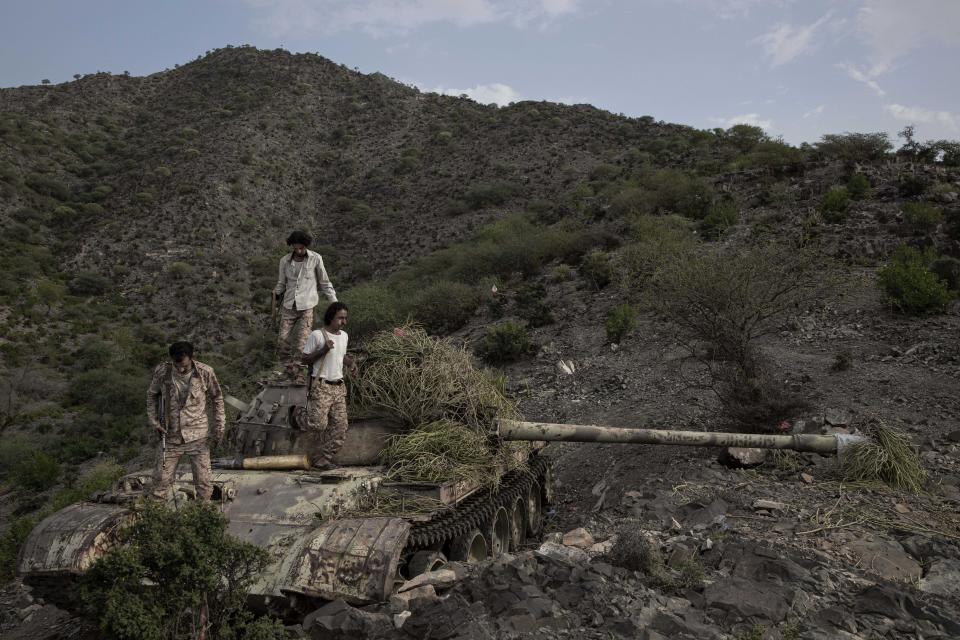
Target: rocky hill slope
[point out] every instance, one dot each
(135, 211)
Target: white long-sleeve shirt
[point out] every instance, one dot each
(299, 282)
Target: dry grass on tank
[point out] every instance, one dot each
(888, 456)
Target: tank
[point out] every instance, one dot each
(322, 549)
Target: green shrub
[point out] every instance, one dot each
(108, 391)
(673, 191)
(656, 241)
(855, 147)
(36, 471)
(48, 186)
(11, 540)
(492, 194)
(721, 217)
(445, 306)
(372, 307)
(88, 283)
(621, 320)
(172, 572)
(532, 305)
(858, 186)
(948, 270)
(597, 268)
(922, 217)
(504, 343)
(179, 270)
(910, 285)
(911, 186)
(834, 205)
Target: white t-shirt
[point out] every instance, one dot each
(330, 367)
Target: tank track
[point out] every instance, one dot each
(475, 510)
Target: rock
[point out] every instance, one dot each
(680, 555)
(339, 621)
(806, 477)
(564, 553)
(836, 618)
(943, 578)
(555, 537)
(837, 417)
(743, 457)
(414, 598)
(603, 547)
(446, 619)
(885, 558)
(400, 618)
(901, 508)
(769, 505)
(749, 598)
(953, 436)
(579, 538)
(883, 600)
(440, 579)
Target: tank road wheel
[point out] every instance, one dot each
(423, 561)
(498, 532)
(518, 523)
(471, 547)
(534, 503)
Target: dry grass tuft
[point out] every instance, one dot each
(449, 406)
(888, 456)
(422, 380)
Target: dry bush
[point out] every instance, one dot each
(730, 299)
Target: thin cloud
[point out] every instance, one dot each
(496, 93)
(752, 119)
(892, 28)
(865, 76)
(735, 9)
(785, 42)
(816, 111)
(927, 116)
(382, 17)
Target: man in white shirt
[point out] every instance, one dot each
(326, 352)
(302, 276)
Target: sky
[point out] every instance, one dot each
(796, 68)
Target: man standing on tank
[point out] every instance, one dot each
(302, 277)
(326, 352)
(177, 411)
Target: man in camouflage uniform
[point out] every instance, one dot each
(302, 276)
(326, 352)
(177, 411)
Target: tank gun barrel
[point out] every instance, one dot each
(826, 444)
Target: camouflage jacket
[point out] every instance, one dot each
(190, 420)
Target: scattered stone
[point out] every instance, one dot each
(901, 508)
(564, 553)
(603, 547)
(953, 436)
(743, 457)
(400, 618)
(579, 538)
(440, 579)
(807, 478)
(555, 537)
(414, 598)
(769, 505)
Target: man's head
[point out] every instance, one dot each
(335, 317)
(299, 241)
(181, 354)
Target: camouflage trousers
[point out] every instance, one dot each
(199, 454)
(326, 420)
(295, 328)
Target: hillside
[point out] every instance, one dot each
(135, 211)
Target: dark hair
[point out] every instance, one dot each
(332, 311)
(180, 349)
(299, 237)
